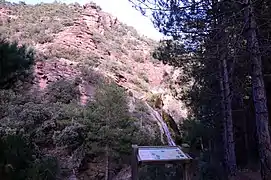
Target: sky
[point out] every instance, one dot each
(122, 9)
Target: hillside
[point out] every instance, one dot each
(57, 103)
(70, 40)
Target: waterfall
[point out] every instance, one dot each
(156, 115)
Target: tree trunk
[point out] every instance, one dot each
(230, 150)
(227, 125)
(223, 114)
(245, 129)
(259, 96)
(106, 163)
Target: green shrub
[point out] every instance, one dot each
(34, 21)
(46, 168)
(160, 172)
(70, 53)
(31, 115)
(44, 38)
(209, 170)
(71, 136)
(141, 107)
(138, 58)
(19, 160)
(144, 77)
(89, 60)
(155, 100)
(141, 85)
(193, 132)
(63, 91)
(91, 76)
(14, 60)
(97, 37)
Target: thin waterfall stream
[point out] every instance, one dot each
(156, 115)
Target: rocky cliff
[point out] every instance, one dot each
(81, 44)
(69, 40)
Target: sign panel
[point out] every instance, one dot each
(162, 153)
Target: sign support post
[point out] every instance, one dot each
(134, 162)
(186, 171)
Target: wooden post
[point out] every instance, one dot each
(186, 175)
(134, 162)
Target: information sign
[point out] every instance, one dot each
(158, 155)
(161, 153)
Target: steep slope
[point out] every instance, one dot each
(69, 40)
(80, 45)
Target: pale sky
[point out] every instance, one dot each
(123, 10)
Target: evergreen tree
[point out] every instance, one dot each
(111, 129)
(259, 94)
(216, 43)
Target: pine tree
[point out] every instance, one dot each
(225, 38)
(259, 94)
(202, 28)
(112, 130)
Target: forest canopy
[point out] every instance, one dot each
(224, 47)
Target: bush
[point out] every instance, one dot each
(160, 172)
(19, 160)
(141, 85)
(210, 170)
(32, 22)
(70, 53)
(144, 77)
(89, 60)
(46, 168)
(194, 132)
(14, 60)
(63, 91)
(31, 115)
(44, 38)
(70, 137)
(91, 76)
(155, 100)
(138, 58)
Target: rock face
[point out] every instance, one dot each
(98, 41)
(83, 46)
(94, 42)
(101, 41)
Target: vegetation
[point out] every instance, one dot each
(31, 124)
(63, 91)
(155, 100)
(34, 126)
(112, 130)
(221, 45)
(31, 25)
(48, 135)
(14, 61)
(20, 160)
(103, 128)
(160, 172)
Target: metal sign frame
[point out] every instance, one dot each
(136, 161)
